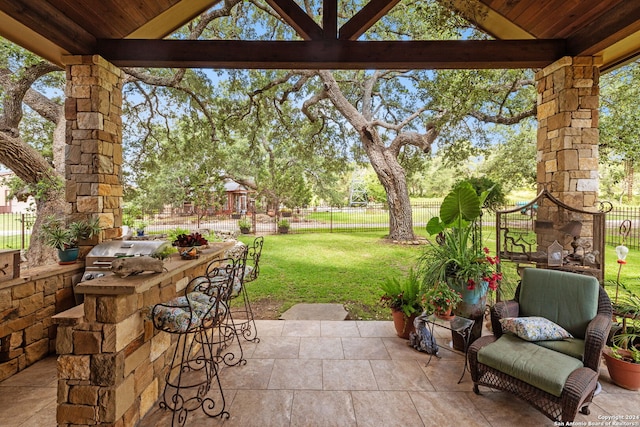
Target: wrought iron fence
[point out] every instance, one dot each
(15, 229)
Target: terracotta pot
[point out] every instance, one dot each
(444, 313)
(404, 325)
(623, 373)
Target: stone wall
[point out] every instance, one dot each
(567, 146)
(26, 306)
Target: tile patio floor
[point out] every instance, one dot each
(331, 373)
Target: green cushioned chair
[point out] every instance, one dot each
(556, 377)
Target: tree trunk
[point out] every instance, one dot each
(383, 160)
(38, 253)
(393, 179)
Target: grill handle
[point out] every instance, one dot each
(99, 263)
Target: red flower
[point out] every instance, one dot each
(471, 284)
(485, 250)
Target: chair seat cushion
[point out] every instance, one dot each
(573, 347)
(536, 365)
(223, 280)
(181, 315)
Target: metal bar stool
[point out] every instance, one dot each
(243, 316)
(224, 336)
(192, 379)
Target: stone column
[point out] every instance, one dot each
(567, 156)
(93, 155)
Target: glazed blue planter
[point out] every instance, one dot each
(472, 306)
(68, 256)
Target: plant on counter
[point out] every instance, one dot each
(65, 236)
(190, 240)
(165, 253)
(61, 235)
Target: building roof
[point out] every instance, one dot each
(529, 33)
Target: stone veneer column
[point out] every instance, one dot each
(567, 156)
(93, 156)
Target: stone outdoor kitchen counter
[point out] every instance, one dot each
(111, 360)
(114, 285)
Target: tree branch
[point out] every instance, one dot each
(503, 120)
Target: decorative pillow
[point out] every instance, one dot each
(534, 328)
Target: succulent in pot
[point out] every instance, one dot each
(64, 236)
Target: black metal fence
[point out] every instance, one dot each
(15, 229)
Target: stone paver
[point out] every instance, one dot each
(321, 373)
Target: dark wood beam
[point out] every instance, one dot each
(365, 18)
(330, 19)
(297, 18)
(332, 54)
(617, 23)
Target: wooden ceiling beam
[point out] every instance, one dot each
(330, 18)
(332, 54)
(365, 18)
(297, 19)
(617, 23)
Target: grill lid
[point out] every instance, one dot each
(122, 248)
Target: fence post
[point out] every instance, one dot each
(22, 231)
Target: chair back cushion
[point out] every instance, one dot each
(568, 299)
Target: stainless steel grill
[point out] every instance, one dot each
(98, 260)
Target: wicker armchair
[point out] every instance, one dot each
(556, 377)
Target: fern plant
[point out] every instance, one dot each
(403, 295)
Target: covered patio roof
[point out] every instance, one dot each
(528, 33)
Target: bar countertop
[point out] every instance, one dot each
(115, 285)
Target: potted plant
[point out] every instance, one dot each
(623, 356)
(283, 226)
(189, 245)
(404, 299)
(457, 258)
(441, 300)
(286, 213)
(245, 226)
(65, 236)
(140, 226)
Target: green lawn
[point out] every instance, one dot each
(349, 268)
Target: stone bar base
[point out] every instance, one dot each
(112, 362)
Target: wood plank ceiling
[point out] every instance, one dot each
(528, 33)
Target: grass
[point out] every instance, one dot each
(350, 268)
(330, 268)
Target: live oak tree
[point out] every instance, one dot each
(393, 115)
(22, 77)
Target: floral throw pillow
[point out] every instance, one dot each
(534, 328)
